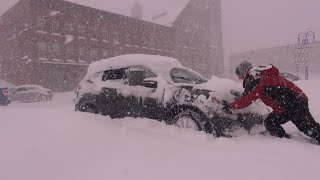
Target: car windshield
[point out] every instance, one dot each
(179, 75)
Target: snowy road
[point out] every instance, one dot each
(49, 141)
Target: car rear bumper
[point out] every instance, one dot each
(4, 101)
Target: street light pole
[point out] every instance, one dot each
(302, 51)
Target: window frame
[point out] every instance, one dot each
(55, 26)
(56, 51)
(122, 80)
(41, 23)
(142, 68)
(42, 50)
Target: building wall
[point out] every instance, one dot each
(59, 39)
(199, 36)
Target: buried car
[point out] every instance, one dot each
(30, 93)
(158, 87)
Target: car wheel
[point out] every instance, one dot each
(187, 119)
(42, 98)
(89, 107)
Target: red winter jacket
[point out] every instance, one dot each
(274, 90)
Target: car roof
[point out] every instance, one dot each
(160, 65)
(28, 86)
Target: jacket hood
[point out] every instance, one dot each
(260, 71)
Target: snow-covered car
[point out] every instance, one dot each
(160, 88)
(30, 93)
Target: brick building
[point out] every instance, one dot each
(52, 42)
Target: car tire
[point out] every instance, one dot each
(88, 107)
(42, 98)
(187, 119)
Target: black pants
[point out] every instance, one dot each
(299, 116)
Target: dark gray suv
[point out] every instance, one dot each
(158, 88)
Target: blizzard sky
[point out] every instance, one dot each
(247, 24)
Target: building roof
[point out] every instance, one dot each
(151, 8)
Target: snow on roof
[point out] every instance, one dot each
(160, 65)
(150, 8)
(6, 84)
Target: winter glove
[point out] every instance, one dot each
(226, 106)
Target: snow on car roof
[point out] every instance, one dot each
(160, 65)
(29, 85)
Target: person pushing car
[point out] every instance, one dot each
(288, 101)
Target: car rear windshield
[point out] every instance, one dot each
(179, 75)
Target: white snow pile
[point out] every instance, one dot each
(159, 64)
(49, 140)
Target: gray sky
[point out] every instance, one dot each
(247, 24)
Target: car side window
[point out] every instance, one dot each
(20, 89)
(117, 75)
(32, 88)
(137, 75)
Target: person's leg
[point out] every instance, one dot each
(273, 125)
(306, 124)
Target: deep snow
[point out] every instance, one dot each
(50, 141)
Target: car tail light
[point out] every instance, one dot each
(5, 92)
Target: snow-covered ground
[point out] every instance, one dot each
(50, 141)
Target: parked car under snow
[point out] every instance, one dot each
(161, 88)
(30, 93)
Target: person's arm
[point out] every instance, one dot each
(250, 84)
(245, 101)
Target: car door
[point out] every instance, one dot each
(150, 99)
(18, 94)
(116, 98)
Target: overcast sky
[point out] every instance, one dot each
(247, 24)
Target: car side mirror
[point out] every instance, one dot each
(149, 83)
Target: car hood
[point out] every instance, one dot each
(225, 89)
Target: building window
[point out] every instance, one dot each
(55, 26)
(116, 38)
(42, 50)
(93, 54)
(93, 33)
(56, 52)
(68, 27)
(41, 23)
(105, 34)
(69, 52)
(80, 30)
(127, 39)
(105, 53)
(82, 54)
